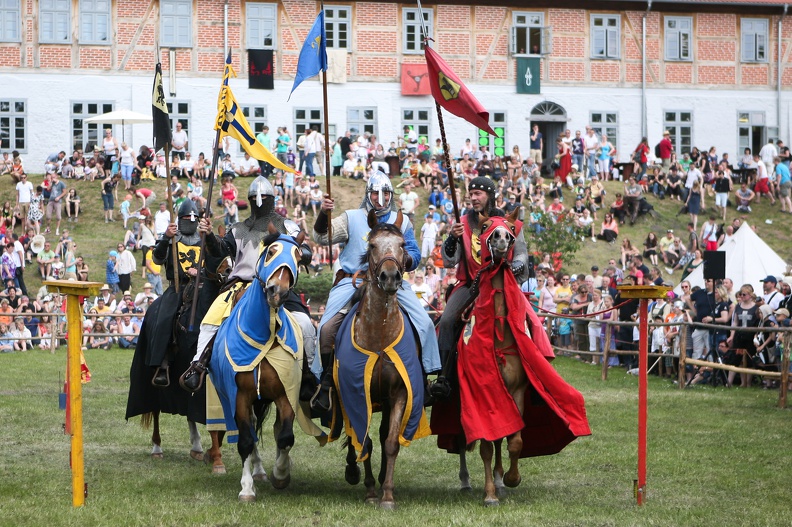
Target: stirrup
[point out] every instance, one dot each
(322, 401)
(161, 378)
(193, 377)
(440, 388)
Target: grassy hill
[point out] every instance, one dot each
(94, 238)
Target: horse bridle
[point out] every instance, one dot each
(378, 267)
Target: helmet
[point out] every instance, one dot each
(379, 182)
(188, 217)
(259, 188)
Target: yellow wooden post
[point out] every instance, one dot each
(73, 290)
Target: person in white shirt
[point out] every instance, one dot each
(348, 169)
(309, 146)
(248, 167)
(148, 294)
(428, 233)
(129, 332)
(20, 332)
(762, 180)
(125, 266)
(591, 142)
(422, 289)
(24, 191)
(768, 153)
(409, 201)
(693, 175)
(161, 219)
(179, 141)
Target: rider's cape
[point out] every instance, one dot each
(554, 413)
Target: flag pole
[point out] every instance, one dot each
(174, 250)
(328, 174)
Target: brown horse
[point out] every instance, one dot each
(377, 325)
(248, 392)
(499, 242)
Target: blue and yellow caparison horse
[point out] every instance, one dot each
(257, 360)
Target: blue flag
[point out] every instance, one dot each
(313, 56)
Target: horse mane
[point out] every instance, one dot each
(380, 227)
(269, 239)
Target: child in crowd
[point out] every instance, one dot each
(564, 330)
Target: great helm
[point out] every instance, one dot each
(379, 182)
(259, 188)
(188, 217)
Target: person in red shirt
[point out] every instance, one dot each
(666, 148)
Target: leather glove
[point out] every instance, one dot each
(517, 267)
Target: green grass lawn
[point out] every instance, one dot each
(716, 457)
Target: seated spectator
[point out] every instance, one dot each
(609, 230)
(21, 335)
(128, 332)
(348, 168)
(618, 209)
(422, 289)
(126, 305)
(744, 197)
(6, 339)
(248, 167)
(72, 205)
(584, 222)
(303, 193)
(97, 340)
(230, 213)
(298, 216)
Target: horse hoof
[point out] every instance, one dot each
(372, 501)
(218, 470)
(198, 456)
(466, 489)
(512, 482)
(157, 456)
(247, 498)
(281, 484)
(388, 505)
(490, 502)
(352, 474)
(259, 477)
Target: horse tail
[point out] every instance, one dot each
(261, 408)
(146, 420)
(471, 446)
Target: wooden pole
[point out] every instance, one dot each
(175, 252)
(73, 291)
(643, 362)
(682, 357)
(606, 351)
(782, 395)
(327, 169)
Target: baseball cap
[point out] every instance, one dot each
(782, 311)
(138, 310)
(113, 253)
(769, 278)
(594, 268)
(431, 207)
(670, 230)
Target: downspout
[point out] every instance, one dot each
(779, 71)
(644, 132)
(225, 29)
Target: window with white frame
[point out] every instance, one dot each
(753, 38)
(606, 123)
(305, 118)
(680, 125)
(605, 36)
(412, 28)
(94, 21)
(417, 119)
(176, 23)
(87, 135)
(338, 21)
(10, 17)
(262, 25)
(257, 119)
(179, 111)
(678, 38)
(495, 145)
(54, 21)
(362, 120)
(13, 124)
(529, 35)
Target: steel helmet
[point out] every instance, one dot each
(379, 182)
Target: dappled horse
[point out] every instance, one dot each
(378, 366)
(257, 360)
(507, 388)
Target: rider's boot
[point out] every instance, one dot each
(440, 389)
(322, 400)
(308, 383)
(161, 378)
(192, 379)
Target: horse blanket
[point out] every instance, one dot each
(353, 371)
(242, 342)
(554, 413)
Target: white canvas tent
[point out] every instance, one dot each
(748, 260)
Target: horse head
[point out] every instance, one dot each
(386, 254)
(498, 234)
(277, 267)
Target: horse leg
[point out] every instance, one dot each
(352, 472)
(391, 447)
(215, 455)
(156, 440)
(196, 450)
(498, 470)
(245, 445)
(369, 481)
(464, 475)
(281, 472)
(259, 474)
(490, 496)
(512, 478)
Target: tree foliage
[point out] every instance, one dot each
(545, 233)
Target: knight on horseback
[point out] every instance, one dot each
(351, 228)
(242, 242)
(464, 248)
